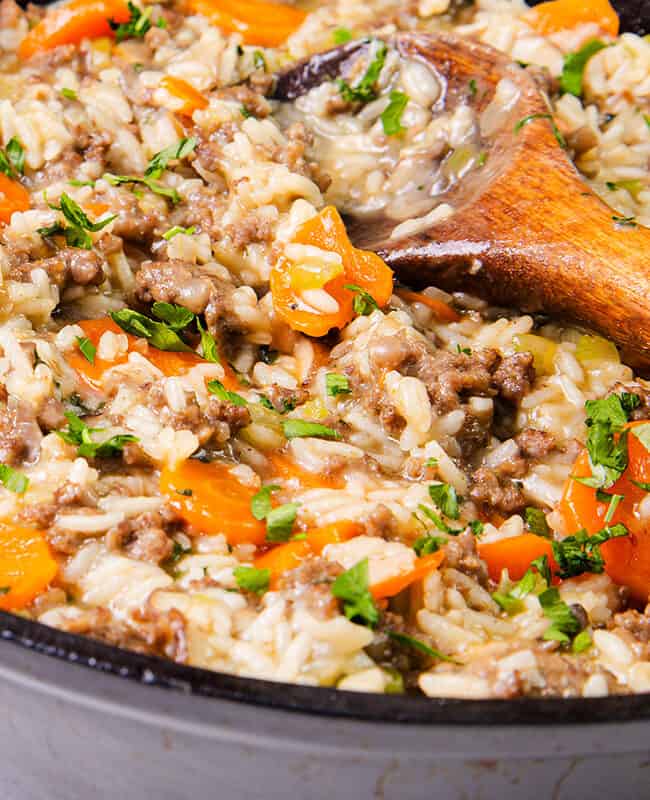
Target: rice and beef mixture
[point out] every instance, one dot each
(227, 437)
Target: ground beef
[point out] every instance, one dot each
(152, 633)
(293, 154)
(71, 266)
(43, 515)
(253, 102)
(180, 282)
(284, 399)
(62, 169)
(461, 554)
(132, 223)
(251, 228)
(493, 489)
(145, 537)
(20, 435)
(51, 416)
(535, 444)
(637, 623)
(643, 409)
(214, 424)
(514, 376)
(379, 522)
(309, 586)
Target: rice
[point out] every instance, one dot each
(181, 514)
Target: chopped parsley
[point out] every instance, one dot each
(425, 545)
(342, 36)
(258, 60)
(178, 549)
(279, 522)
(473, 88)
(336, 384)
(12, 158)
(581, 642)
(177, 317)
(556, 131)
(477, 527)
(391, 117)
(606, 439)
(178, 151)
(82, 183)
(158, 334)
(69, 94)
(79, 434)
(416, 644)
(364, 303)
(217, 388)
(137, 25)
(564, 623)
(445, 497)
(535, 580)
(352, 588)
(253, 580)
(78, 228)
(154, 186)
(297, 428)
(364, 91)
(208, 345)
(167, 235)
(574, 66)
(580, 553)
(439, 523)
(613, 500)
(536, 521)
(261, 501)
(13, 480)
(88, 349)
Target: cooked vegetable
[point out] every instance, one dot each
(86, 348)
(595, 348)
(574, 66)
(217, 388)
(192, 99)
(26, 565)
(445, 497)
(251, 579)
(174, 152)
(265, 24)
(296, 428)
(72, 22)
(358, 603)
(564, 623)
(441, 310)
(543, 351)
(154, 186)
(391, 117)
(580, 553)
(365, 89)
(137, 25)
(336, 384)
(360, 268)
(423, 566)
(78, 226)
(13, 480)
(532, 117)
(422, 647)
(12, 159)
(515, 554)
(79, 434)
(158, 334)
(559, 15)
(13, 197)
(279, 522)
(219, 503)
(536, 521)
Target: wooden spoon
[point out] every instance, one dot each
(526, 229)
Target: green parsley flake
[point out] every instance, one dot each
(425, 545)
(564, 624)
(536, 522)
(87, 348)
(12, 158)
(364, 303)
(422, 647)
(178, 151)
(342, 36)
(391, 117)
(574, 66)
(167, 235)
(158, 334)
(364, 90)
(253, 580)
(154, 186)
(580, 553)
(556, 131)
(79, 434)
(208, 345)
(352, 588)
(279, 522)
(438, 522)
(217, 388)
(13, 480)
(629, 222)
(69, 94)
(137, 25)
(177, 317)
(261, 502)
(336, 384)
(445, 497)
(76, 231)
(297, 428)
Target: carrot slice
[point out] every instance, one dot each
(71, 23)
(392, 586)
(360, 268)
(627, 560)
(210, 498)
(192, 98)
(13, 197)
(170, 363)
(288, 556)
(559, 15)
(441, 310)
(26, 566)
(266, 24)
(515, 554)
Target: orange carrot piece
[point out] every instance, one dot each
(260, 23)
(217, 502)
(13, 197)
(392, 586)
(559, 15)
(360, 268)
(192, 98)
(515, 554)
(441, 311)
(26, 566)
(71, 23)
(288, 556)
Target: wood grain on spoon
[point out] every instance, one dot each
(526, 229)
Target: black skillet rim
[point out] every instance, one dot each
(316, 701)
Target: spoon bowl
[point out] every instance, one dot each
(526, 229)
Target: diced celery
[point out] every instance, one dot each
(543, 351)
(595, 348)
